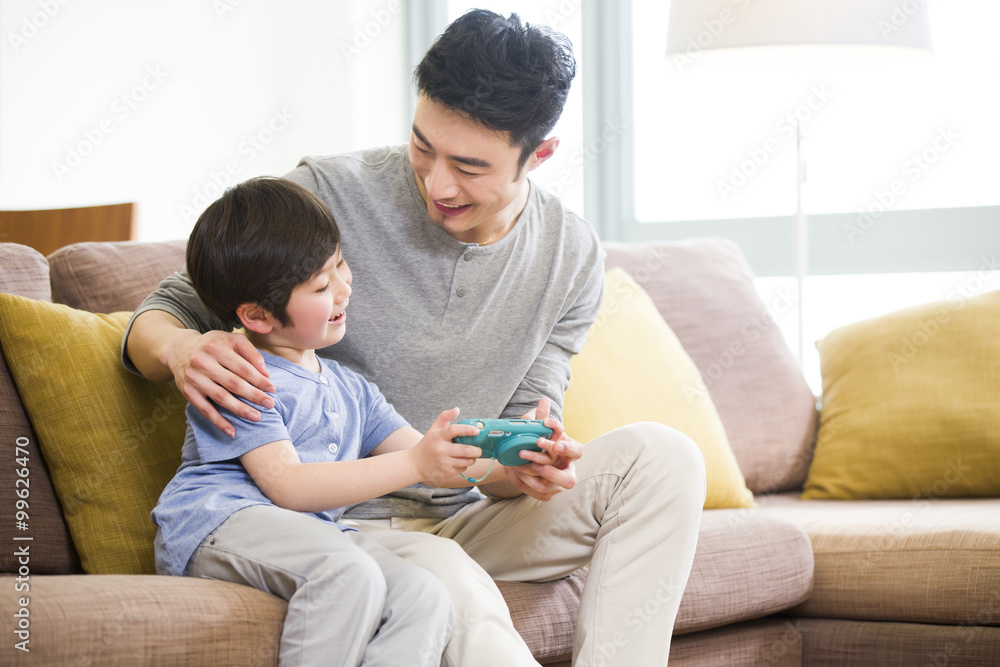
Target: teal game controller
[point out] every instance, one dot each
(504, 439)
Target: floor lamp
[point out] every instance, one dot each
(797, 34)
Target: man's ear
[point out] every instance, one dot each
(254, 318)
(544, 151)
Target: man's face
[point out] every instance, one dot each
(467, 174)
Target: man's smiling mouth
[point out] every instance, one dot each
(451, 209)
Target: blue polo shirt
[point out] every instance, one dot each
(334, 415)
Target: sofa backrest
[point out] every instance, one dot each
(24, 271)
(110, 277)
(704, 289)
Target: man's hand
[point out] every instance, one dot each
(553, 469)
(436, 457)
(215, 368)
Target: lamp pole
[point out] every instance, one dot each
(801, 235)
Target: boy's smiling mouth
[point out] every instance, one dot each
(339, 319)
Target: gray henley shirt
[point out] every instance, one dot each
(436, 323)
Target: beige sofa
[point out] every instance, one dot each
(788, 582)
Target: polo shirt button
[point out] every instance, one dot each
(468, 257)
(334, 448)
(460, 292)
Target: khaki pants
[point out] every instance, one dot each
(633, 515)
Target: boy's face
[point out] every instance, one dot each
(318, 309)
(467, 174)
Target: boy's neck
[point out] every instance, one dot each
(305, 358)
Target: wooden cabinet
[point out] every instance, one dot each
(49, 230)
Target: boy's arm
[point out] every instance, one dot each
(407, 437)
(316, 487)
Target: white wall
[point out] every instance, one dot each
(163, 103)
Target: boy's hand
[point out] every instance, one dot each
(210, 368)
(436, 457)
(553, 469)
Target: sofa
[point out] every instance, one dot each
(790, 569)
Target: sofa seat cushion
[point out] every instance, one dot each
(146, 620)
(774, 642)
(746, 566)
(839, 642)
(545, 613)
(920, 561)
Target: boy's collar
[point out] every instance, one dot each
(292, 367)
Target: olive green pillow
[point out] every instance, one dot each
(911, 404)
(112, 440)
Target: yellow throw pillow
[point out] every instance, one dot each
(911, 404)
(632, 368)
(111, 440)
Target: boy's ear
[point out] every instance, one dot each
(254, 318)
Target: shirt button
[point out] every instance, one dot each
(468, 257)
(460, 292)
(334, 448)
(335, 415)
(323, 380)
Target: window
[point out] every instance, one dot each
(901, 168)
(719, 142)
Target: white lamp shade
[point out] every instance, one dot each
(760, 32)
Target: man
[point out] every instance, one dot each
(475, 289)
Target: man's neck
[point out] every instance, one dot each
(489, 232)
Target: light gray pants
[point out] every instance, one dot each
(350, 600)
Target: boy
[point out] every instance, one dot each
(261, 509)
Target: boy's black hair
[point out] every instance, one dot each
(257, 243)
(506, 76)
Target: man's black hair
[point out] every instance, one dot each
(257, 243)
(505, 75)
